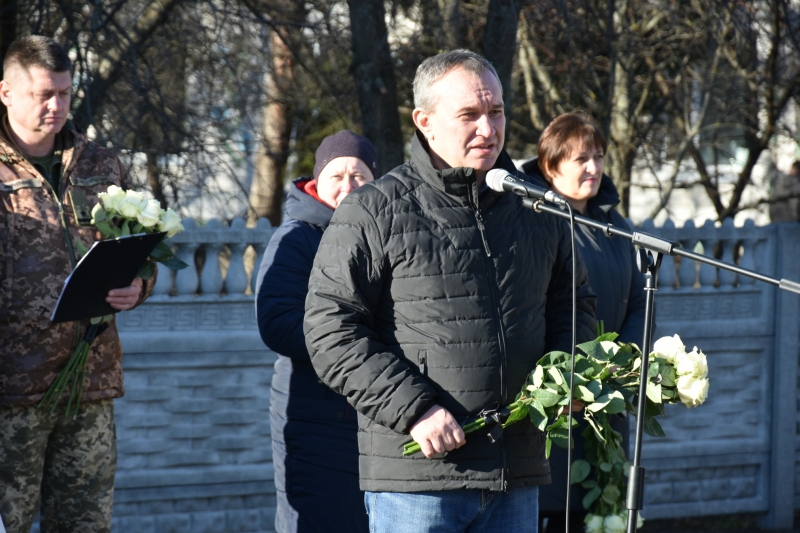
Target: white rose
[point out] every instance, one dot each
(112, 198)
(150, 214)
(669, 348)
(594, 523)
(692, 390)
(693, 363)
(170, 222)
(614, 524)
(132, 204)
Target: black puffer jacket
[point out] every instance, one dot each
(423, 293)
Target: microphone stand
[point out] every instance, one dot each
(652, 250)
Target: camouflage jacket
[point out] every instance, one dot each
(35, 261)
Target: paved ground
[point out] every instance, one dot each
(743, 523)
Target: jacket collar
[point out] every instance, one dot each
(453, 181)
(69, 140)
(303, 207)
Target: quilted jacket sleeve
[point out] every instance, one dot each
(343, 300)
(282, 287)
(559, 298)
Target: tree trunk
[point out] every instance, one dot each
(266, 191)
(373, 73)
(452, 28)
(621, 151)
(154, 180)
(500, 43)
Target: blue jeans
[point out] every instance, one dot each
(453, 511)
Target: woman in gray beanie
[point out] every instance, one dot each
(315, 454)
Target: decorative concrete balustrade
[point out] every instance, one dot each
(193, 427)
(212, 239)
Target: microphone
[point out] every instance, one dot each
(501, 180)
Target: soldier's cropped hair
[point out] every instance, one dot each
(37, 51)
(435, 68)
(564, 135)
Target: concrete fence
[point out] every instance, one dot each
(193, 427)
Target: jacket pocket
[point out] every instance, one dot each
(423, 362)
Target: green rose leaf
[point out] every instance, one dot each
(538, 377)
(105, 229)
(654, 392)
(555, 374)
(174, 263)
(669, 377)
(594, 349)
(596, 426)
(517, 414)
(652, 427)
(589, 484)
(147, 270)
(610, 403)
(591, 497)
(547, 398)
(611, 494)
(537, 415)
(584, 394)
(610, 336)
(560, 436)
(605, 467)
(160, 253)
(580, 471)
(98, 214)
(80, 248)
(548, 445)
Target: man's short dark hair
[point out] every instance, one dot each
(37, 51)
(435, 68)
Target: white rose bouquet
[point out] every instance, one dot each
(119, 213)
(607, 381)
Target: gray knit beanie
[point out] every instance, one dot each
(345, 144)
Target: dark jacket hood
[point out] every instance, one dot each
(607, 196)
(304, 207)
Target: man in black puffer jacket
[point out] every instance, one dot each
(430, 300)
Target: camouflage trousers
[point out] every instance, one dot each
(69, 462)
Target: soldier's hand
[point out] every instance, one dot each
(126, 297)
(437, 432)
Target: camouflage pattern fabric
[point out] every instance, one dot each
(70, 461)
(34, 262)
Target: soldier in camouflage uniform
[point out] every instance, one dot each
(44, 166)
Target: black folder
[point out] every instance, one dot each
(109, 264)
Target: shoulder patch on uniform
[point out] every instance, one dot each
(89, 181)
(30, 183)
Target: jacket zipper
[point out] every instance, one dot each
(498, 320)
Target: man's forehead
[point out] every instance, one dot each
(461, 88)
(39, 78)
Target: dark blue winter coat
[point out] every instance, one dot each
(315, 454)
(619, 286)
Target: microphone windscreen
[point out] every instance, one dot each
(494, 179)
